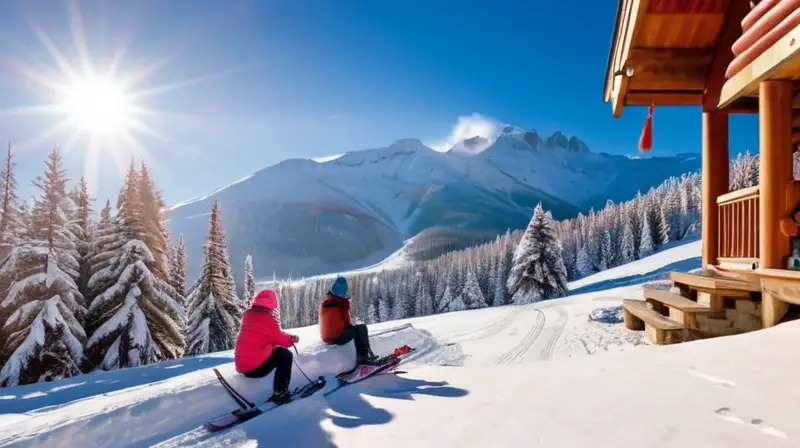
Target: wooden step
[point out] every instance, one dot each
(683, 310)
(660, 329)
(676, 301)
(715, 285)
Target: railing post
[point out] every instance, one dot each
(715, 180)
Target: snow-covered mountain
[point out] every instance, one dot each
(302, 217)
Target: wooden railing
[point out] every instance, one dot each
(738, 224)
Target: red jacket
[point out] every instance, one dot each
(334, 315)
(260, 333)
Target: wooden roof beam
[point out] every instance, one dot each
(631, 25)
(664, 98)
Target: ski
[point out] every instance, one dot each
(386, 364)
(242, 415)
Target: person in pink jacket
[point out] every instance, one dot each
(262, 346)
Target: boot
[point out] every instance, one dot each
(280, 397)
(366, 359)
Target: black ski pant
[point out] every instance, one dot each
(359, 334)
(281, 361)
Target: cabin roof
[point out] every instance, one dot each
(662, 51)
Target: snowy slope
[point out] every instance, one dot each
(302, 217)
(476, 381)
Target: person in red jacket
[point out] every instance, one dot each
(335, 326)
(262, 346)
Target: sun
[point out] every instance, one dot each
(98, 105)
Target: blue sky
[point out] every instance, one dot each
(262, 81)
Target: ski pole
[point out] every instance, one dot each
(298, 364)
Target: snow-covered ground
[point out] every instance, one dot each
(474, 381)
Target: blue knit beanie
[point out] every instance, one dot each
(339, 288)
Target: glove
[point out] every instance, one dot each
(295, 338)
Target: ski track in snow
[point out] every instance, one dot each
(552, 334)
(495, 326)
(519, 350)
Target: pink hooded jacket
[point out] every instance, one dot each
(260, 333)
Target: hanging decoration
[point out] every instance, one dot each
(646, 140)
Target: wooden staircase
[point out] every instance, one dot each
(697, 307)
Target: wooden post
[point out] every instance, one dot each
(715, 179)
(775, 169)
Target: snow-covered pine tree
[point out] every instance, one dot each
(104, 246)
(607, 250)
(424, 299)
(44, 335)
(635, 216)
(400, 309)
(249, 282)
(152, 206)
(473, 296)
(671, 211)
(627, 255)
(538, 271)
(452, 302)
(499, 287)
(24, 220)
(372, 313)
(178, 267)
(83, 233)
(214, 309)
(135, 318)
(384, 309)
(647, 247)
(10, 226)
(583, 264)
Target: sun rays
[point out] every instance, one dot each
(100, 109)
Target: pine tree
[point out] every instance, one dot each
(384, 309)
(627, 254)
(647, 246)
(452, 302)
(178, 267)
(372, 313)
(152, 221)
(10, 225)
(44, 335)
(249, 282)
(607, 250)
(472, 292)
(214, 309)
(538, 271)
(135, 318)
(499, 287)
(83, 233)
(424, 299)
(583, 264)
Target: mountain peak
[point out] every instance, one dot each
(472, 145)
(558, 140)
(511, 129)
(408, 143)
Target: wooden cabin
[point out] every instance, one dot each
(727, 57)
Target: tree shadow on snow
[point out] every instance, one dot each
(635, 279)
(350, 409)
